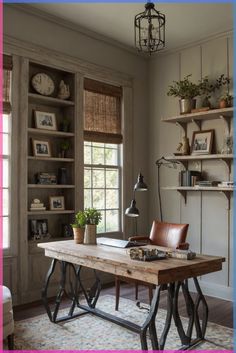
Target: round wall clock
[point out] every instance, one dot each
(43, 84)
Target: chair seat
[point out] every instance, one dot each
(8, 322)
(7, 300)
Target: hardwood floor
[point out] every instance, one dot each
(220, 311)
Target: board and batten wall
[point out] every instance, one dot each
(210, 222)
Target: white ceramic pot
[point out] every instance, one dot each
(90, 234)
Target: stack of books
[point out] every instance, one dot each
(189, 177)
(208, 183)
(36, 205)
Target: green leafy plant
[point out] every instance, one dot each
(65, 145)
(207, 87)
(65, 124)
(184, 89)
(92, 216)
(80, 220)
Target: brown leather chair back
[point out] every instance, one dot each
(168, 234)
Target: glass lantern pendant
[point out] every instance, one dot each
(149, 30)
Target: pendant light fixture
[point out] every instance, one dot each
(149, 29)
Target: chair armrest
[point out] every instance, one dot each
(183, 246)
(139, 238)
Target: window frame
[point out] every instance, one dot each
(117, 167)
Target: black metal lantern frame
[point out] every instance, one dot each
(149, 30)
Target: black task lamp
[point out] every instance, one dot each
(133, 211)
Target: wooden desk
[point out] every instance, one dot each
(169, 274)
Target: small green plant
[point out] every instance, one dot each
(80, 220)
(207, 87)
(65, 145)
(65, 125)
(92, 216)
(184, 89)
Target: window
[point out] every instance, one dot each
(102, 183)
(5, 148)
(102, 153)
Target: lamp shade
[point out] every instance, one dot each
(140, 185)
(132, 211)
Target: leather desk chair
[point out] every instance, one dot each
(171, 235)
(8, 322)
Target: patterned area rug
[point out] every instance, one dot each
(92, 333)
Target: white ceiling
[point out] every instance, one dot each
(185, 22)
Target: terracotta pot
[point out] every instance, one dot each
(78, 235)
(90, 234)
(223, 104)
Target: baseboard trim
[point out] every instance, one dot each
(214, 290)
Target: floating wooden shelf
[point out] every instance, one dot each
(51, 159)
(48, 212)
(33, 131)
(51, 101)
(50, 186)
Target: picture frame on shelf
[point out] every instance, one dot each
(45, 120)
(38, 228)
(41, 148)
(202, 142)
(56, 203)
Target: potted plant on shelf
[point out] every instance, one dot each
(186, 91)
(65, 125)
(226, 101)
(64, 147)
(79, 226)
(92, 219)
(207, 88)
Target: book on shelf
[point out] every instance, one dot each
(226, 184)
(189, 177)
(37, 205)
(37, 208)
(208, 183)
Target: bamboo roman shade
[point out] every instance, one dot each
(7, 68)
(102, 112)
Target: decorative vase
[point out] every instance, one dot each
(227, 145)
(185, 146)
(90, 234)
(78, 235)
(186, 105)
(62, 176)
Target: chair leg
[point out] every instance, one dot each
(10, 341)
(117, 283)
(136, 291)
(150, 293)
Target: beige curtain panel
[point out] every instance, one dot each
(7, 68)
(102, 112)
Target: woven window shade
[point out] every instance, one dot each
(7, 68)
(102, 112)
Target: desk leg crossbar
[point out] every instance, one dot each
(92, 296)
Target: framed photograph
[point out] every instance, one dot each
(41, 148)
(38, 228)
(45, 121)
(202, 142)
(57, 203)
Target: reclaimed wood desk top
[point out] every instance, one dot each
(117, 261)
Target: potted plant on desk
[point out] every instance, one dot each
(79, 226)
(92, 219)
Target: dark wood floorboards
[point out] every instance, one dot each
(220, 311)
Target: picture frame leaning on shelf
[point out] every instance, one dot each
(45, 120)
(202, 142)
